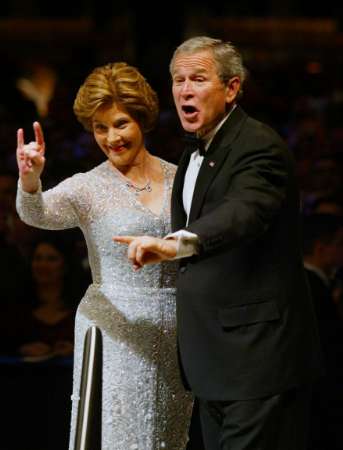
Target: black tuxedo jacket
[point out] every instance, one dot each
(246, 324)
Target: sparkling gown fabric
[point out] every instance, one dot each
(144, 405)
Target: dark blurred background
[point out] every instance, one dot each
(294, 54)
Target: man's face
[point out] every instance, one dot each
(201, 98)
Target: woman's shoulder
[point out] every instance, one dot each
(94, 171)
(84, 178)
(168, 166)
(78, 188)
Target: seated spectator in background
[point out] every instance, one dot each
(8, 190)
(323, 256)
(38, 85)
(15, 233)
(328, 205)
(13, 265)
(323, 180)
(42, 325)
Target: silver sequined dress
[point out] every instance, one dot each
(144, 405)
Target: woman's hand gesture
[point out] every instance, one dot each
(30, 158)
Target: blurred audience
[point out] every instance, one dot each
(13, 266)
(323, 257)
(330, 204)
(15, 234)
(42, 323)
(37, 84)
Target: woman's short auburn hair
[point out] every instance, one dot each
(117, 83)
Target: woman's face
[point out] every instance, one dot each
(47, 264)
(118, 135)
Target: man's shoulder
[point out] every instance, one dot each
(262, 128)
(251, 127)
(261, 134)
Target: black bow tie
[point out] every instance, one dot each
(194, 143)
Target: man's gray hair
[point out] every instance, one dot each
(228, 59)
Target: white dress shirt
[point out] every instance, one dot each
(188, 242)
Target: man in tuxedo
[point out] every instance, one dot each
(247, 335)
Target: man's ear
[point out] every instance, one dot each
(232, 89)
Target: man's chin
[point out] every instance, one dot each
(190, 127)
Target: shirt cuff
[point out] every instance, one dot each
(187, 243)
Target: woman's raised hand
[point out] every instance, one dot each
(30, 158)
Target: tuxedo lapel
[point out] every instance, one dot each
(214, 159)
(209, 168)
(178, 214)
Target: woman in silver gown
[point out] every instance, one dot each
(144, 405)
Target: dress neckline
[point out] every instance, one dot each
(122, 179)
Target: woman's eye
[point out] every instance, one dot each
(99, 127)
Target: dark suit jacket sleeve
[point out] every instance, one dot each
(258, 183)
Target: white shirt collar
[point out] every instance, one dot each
(318, 272)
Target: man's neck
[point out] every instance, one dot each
(209, 135)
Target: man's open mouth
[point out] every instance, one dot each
(189, 109)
